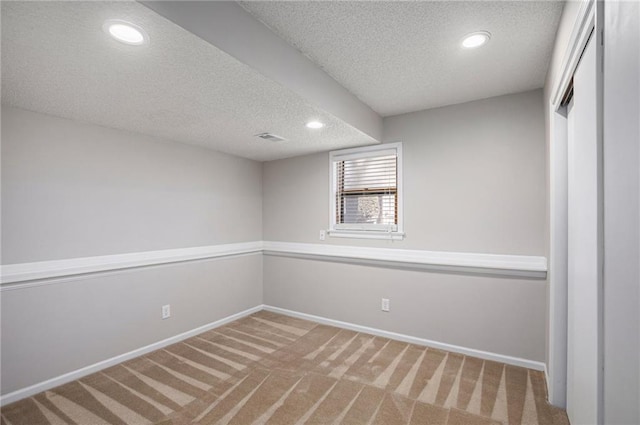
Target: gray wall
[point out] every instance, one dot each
(474, 179)
(498, 315)
(72, 323)
(622, 213)
(621, 165)
(72, 189)
(556, 249)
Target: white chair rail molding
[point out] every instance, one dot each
(16, 275)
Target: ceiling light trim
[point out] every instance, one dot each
(125, 32)
(314, 124)
(476, 39)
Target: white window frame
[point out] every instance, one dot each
(361, 231)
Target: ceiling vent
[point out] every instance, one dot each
(271, 137)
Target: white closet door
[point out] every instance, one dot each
(584, 260)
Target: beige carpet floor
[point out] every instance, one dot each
(272, 369)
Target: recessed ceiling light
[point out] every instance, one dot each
(475, 39)
(315, 124)
(125, 32)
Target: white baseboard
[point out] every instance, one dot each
(87, 370)
(486, 355)
(547, 381)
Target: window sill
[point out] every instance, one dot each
(360, 234)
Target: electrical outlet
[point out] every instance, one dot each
(166, 311)
(385, 304)
(323, 235)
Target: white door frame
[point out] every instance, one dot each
(589, 21)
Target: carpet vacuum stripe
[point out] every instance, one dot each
(273, 369)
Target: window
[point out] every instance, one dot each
(366, 192)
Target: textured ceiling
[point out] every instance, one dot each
(395, 56)
(405, 56)
(57, 60)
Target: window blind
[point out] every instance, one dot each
(366, 192)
